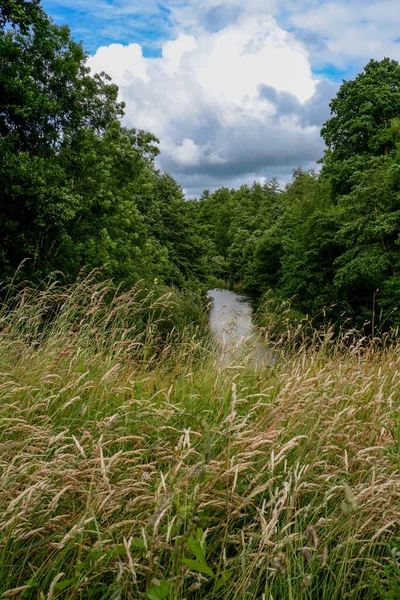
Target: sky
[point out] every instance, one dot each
(235, 90)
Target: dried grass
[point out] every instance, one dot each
(119, 444)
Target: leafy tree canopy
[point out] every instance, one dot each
(329, 241)
(361, 122)
(78, 188)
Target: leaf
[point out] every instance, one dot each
(223, 579)
(159, 592)
(120, 550)
(199, 566)
(117, 551)
(98, 591)
(33, 585)
(195, 547)
(95, 554)
(138, 543)
(63, 585)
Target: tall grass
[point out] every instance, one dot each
(134, 463)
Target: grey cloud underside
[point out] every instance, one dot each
(313, 112)
(201, 151)
(253, 149)
(311, 40)
(339, 37)
(250, 150)
(220, 16)
(262, 149)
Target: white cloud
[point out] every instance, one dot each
(341, 32)
(185, 153)
(233, 95)
(353, 31)
(123, 63)
(174, 50)
(203, 99)
(233, 62)
(345, 33)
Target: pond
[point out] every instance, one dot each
(231, 321)
(230, 317)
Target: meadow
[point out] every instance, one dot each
(135, 463)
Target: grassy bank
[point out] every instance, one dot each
(134, 463)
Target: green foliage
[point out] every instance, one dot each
(20, 13)
(78, 188)
(360, 127)
(160, 591)
(330, 242)
(197, 546)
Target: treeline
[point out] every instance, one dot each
(77, 187)
(80, 189)
(329, 241)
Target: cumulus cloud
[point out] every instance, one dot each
(234, 104)
(220, 16)
(229, 91)
(313, 112)
(344, 33)
(349, 33)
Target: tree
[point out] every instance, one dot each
(369, 235)
(49, 102)
(78, 188)
(20, 13)
(172, 224)
(360, 126)
(46, 91)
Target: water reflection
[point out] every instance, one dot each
(230, 318)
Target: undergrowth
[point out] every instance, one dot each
(135, 463)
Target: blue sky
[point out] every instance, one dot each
(152, 22)
(236, 90)
(111, 21)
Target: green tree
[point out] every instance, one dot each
(48, 100)
(78, 188)
(360, 126)
(20, 13)
(367, 270)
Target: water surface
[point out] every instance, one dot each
(231, 320)
(230, 317)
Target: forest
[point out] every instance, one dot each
(139, 458)
(81, 190)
